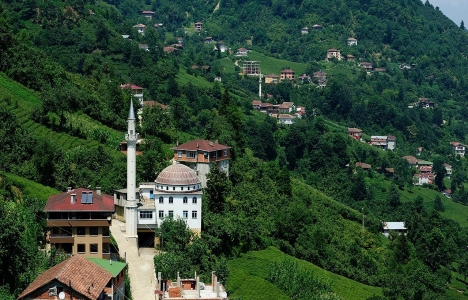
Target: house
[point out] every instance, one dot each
(422, 162)
(169, 49)
(404, 66)
(158, 25)
(135, 91)
(317, 27)
(180, 40)
(266, 107)
(125, 36)
(351, 41)
(241, 52)
(256, 104)
(140, 28)
(420, 150)
(397, 227)
(350, 57)
(300, 112)
(412, 161)
(425, 169)
(78, 222)
(143, 47)
(217, 78)
(355, 133)
(391, 142)
(222, 46)
(448, 170)
(79, 278)
(423, 178)
(380, 70)
(333, 53)
(322, 83)
(285, 119)
(251, 68)
(148, 14)
(425, 103)
(189, 289)
(198, 26)
(319, 75)
(458, 148)
(304, 78)
(304, 30)
(271, 78)
(447, 193)
(379, 141)
(208, 40)
(201, 154)
(287, 74)
(363, 165)
(366, 66)
(287, 107)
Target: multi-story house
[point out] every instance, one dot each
(458, 148)
(78, 222)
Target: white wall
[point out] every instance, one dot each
(178, 207)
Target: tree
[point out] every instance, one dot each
(438, 205)
(462, 25)
(217, 188)
(393, 197)
(440, 172)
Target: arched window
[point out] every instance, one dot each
(161, 200)
(194, 200)
(185, 200)
(171, 200)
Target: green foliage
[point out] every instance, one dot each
(438, 205)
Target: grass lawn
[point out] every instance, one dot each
(184, 78)
(271, 65)
(248, 273)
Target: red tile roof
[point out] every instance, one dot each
(147, 12)
(202, 145)
(287, 71)
(354, 130)
(62, 202)
(83, 274)
(363, 165)
(152, 103)
(286, 105)
(130, 86)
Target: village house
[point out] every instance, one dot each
(251, 68)
(78, 222)
(140, 28)
(222, 46)
(285, 119)
(148, 14)
(135, 91)
(355, 133)
(404, 66)
(423, 178)
(350, 57)
(448, 170)
(79, 278)
(272, 78)
(317, 27)
(333, 53)
(319, 75)
(384, 142)
(201, 154)
(304, 78)
(300, 111)
(143, 47)
(351, 42)
(265, 107)
(412, 161)
(321, 83)
(458, 148)
(287, 74)
(189, 289)
(366, 66)
(169, 49)
(180, 40)
(209, 40)
(397, 227)
(425, 169)
(425, 103)
(420, 150)
(152, 103)
(391, 142)
(304, 30)
(380, 70)
(256, 104)
(287, 107)
(198, 26)
(447, 193)
(364, 166)
(241, 52)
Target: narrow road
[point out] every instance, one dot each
(140, 265)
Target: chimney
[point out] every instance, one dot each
(198, 286)
(73, 198)
(98, 190)
(211, 144)
(213, 280)
(197, 146)
(69, 189)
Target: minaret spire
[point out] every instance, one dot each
(260, 85)
(131, 208)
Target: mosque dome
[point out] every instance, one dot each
(178, 174)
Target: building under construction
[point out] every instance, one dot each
(251, 68)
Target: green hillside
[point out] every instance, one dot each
(251, 270)
(28, 188)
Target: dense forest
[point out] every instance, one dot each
(63, 113)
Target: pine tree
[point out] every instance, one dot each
(438, 204)
(462, 25)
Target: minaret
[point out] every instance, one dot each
(260, 85)
(131, 208)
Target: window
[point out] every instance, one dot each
(225, 152)
(171, 214)
(189, 188)
(205, 154)
(179, 153)
(93, 248)
(146, 214)
(173, 188)
(151, 194)
(161, 200)
(93, 231)
(105, 231)
(191, 154)
(194, 200)
(185, 200)
(161, 214)
(182, 188)
(185, 214)
(171, 200)
(167, 188)
(194, 214)
(81, 248)
(81, 230)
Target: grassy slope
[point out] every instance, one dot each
(248, 273)
(30, 188)
(271, 65)
(184, 78)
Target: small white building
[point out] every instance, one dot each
(398, 227)
(286, 119)
(242, 52)
(351, 42)
(458, 148)
(140, 28)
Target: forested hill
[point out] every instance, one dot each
(296, 187)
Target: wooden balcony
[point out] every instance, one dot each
(77, 222)
(61, 239)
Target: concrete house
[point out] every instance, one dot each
(286, 119)
(79, 278)
(287, 74)
(351, 42)
(287, 107)
(333, 53)
(241, 52)
(458, 148)
(355, 133)
(78, 222)
(135, 91)
(366, 66)
(271, 78)
(147, 14)
(140, 28)
(397, 227)
(304, 30)
(198, 26)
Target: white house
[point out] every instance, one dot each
(458, 148)
(140, 28)
(241, 52)
(351, 42)
(398, 227)
(286, 119)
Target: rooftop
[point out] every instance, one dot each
(178, 174)
(62, 202)
(113, 267)
(202, 145)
